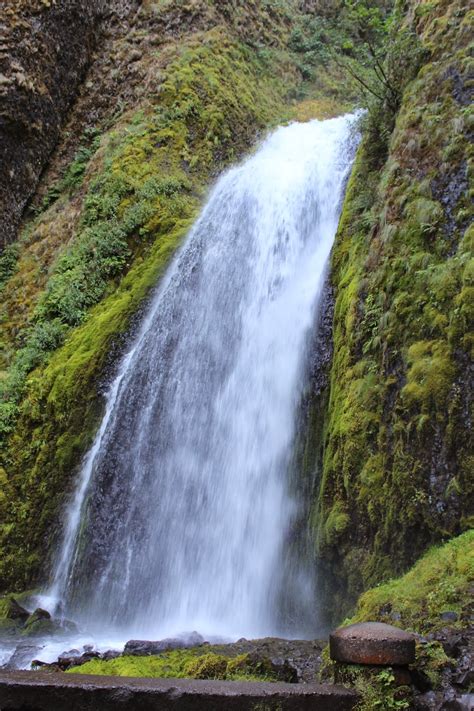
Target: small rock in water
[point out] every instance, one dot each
(68, 661)
(38, 614)
(68, 625)
(71, 653)
(372, 643)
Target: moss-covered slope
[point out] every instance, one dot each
(396, 470)
(440, 582)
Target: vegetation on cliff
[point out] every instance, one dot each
(395, 472)
(439, 584)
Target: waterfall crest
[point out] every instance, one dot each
(183, 503)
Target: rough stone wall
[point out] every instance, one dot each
(45, 47)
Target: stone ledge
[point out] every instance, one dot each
(37, 691)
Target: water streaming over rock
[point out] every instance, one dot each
(183, 503)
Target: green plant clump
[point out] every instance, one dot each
(179, 664)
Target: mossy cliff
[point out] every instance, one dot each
(394, 473)
(176, 91)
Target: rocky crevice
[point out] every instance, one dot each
(45, 49)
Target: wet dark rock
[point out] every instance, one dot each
(111, 654)
(71, 653)
(40, 623)
(426, 702)
(16, 612)
(144, 648)
(72, 660)
(454, 641)
(68, 625)
(22, 655)
(449, 616)
(38, 614)
(39, 664)
(444, 701)
(460, 703)
(47, 47)
(372, 643)
(421, 680)
(464, 679)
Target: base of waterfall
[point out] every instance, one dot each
(273, 658)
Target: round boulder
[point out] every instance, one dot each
(372, 643)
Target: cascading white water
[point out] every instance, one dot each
(183, 503)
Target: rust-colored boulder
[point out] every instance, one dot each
(372, 643)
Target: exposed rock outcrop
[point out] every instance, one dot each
(44, 53)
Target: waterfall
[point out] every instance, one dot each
(183, 503)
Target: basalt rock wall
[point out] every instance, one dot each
(45, 49)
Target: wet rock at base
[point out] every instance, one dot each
(372, 643)
(68, 661)
(144, 648)
(15, 611)
(40, 622)
(21, 656)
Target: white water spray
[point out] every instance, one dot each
(183, 504)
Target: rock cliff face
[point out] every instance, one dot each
(395, 474)
(45, 50)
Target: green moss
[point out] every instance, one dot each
(431, 659)
(377, 688)
(178, 664)
(430, 375)
(441, 581)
